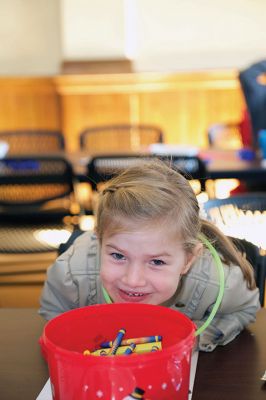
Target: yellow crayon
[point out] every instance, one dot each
(138, 340)
(102, 352)
(139, 349)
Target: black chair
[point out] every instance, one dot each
(225, 136)
(241, 216)
(64, 246)
(36, 196)
(33, 141)
(119, 138)
(220, 210)
(103, 167)
(258, 262)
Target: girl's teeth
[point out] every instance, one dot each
(135, 294)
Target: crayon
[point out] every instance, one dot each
(146, 339)
(155, 347)
(139, 349)
(117, 341)
(101, 352)
(130, 349)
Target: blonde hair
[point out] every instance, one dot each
(152, 191)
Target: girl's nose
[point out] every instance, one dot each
(134, 276)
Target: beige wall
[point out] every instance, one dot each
(199, 34)
(92, 29)
(162, 35)
(29, 37)
(166, 35)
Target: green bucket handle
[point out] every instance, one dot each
(220, 271)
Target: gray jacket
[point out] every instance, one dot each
(73, 281)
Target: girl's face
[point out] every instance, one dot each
(142, 265)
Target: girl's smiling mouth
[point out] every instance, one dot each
(132, 296)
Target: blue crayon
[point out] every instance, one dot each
(130, 349)
(146, 339)
(117, 342)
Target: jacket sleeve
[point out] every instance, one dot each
(68, 279)
(238, 308)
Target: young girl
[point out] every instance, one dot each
(148, 248)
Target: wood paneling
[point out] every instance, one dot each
(182, 104)
(28, 103)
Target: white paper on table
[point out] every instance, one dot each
(46, 393)
(173, 149)
(193, 367)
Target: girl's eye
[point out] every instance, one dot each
(157, 262)
(117, 256)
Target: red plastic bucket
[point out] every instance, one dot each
(162, 374)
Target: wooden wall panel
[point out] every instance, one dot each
(186, 114)
(29, 103)
(182, 104)
(80, 112)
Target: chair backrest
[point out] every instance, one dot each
(123, 137)
(225, 136)
(258, 262)
(33, 141)
(65, 246)
(27, 184)
(103, 167)
(247, 202)
(243, 217)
